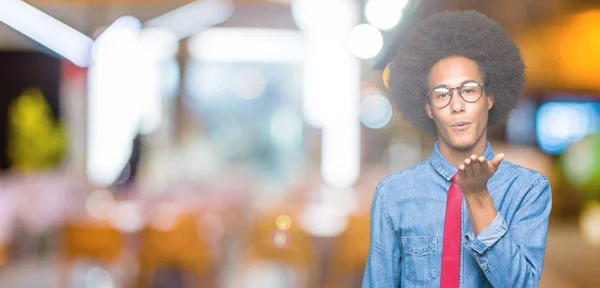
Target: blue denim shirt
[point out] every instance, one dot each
(407, 224)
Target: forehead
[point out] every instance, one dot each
(453, 71)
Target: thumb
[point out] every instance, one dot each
(496, 161)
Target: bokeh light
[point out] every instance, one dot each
(280, 239)
(323, 220)
(559, 124)
(164, 216)
(581, 165)
(315, 15)
(283, 222)
(375, 111)
(384, 14)
(365, 41)
(590, 223)
(100, 204)
(97, 277)
(128, 217)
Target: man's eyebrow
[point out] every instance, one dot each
(439, 86)
(461, 83)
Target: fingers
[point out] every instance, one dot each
(476, 164)
(469, 167)
(496, 161)
(476, 167)
(472, 166)
(485, 166)
(461, 172)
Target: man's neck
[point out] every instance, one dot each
(456, 156)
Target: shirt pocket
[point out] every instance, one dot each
(421, 263)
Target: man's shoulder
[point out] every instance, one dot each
(517, 171)
(402, 177)
(521, 184)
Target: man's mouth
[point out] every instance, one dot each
(460, 125)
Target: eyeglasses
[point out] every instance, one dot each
(469, 91)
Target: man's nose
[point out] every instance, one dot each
(456, 103)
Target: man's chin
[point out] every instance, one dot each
(463, 143)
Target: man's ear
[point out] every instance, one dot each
(428, 110)
(490, 99)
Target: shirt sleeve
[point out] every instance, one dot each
(488, 236)
(513, 256)
(383, 263)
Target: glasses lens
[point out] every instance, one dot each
(440, 96)
(470, 91)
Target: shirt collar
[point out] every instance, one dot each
(447, 170)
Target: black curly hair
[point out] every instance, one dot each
(468, 34)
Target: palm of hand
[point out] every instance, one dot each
(474, 174)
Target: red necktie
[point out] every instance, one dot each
(451, 248)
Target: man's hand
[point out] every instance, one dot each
(474, 174)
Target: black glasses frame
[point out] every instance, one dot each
(482, 85)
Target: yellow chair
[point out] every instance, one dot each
(96, 241)
(351, 252)
(179, 247)
(3, 256)
(293, 247)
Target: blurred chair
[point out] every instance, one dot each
(3, 254)
(269, 249)
(95, 241)
(351, 252)
(178, 248)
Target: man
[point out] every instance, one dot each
(463, 217)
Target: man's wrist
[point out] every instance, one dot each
(481, 210)
(480, 199)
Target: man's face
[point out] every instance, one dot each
(450, 73)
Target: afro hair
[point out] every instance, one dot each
(468, 34)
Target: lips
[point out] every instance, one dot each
(460, 125)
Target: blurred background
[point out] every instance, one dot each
(237, 143)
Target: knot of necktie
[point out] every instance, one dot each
(455, 178)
